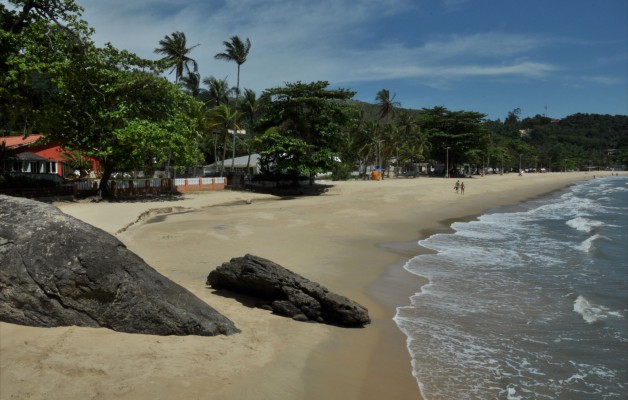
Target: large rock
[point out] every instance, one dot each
(287, 293)
(56, 271)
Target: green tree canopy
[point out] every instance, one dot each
(89, 98)
(460, 131)
(310, 114)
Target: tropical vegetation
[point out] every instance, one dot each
(114, 106)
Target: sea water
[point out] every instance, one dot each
(529, 302)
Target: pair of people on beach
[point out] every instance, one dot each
(459, 186)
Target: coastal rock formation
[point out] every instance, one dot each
(57, 271)
(287, 293)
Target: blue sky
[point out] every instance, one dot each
(553, 57)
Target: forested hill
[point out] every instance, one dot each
(595, 140)
(584, 130)
(576, 141)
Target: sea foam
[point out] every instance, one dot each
(584, 224)
(591, 312)
(588, 244)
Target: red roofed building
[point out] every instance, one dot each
(24, 155)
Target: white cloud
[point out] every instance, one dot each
(309, 40)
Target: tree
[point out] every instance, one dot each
(460, 131)
(237, 51)
(30, 31)
(415, 146)
(370, 142)
(311, 114)
(86, 97)
(249, 109)
(407, 127)
(387, 104)
(281, 153)
(224, 122)
(101, 108)
(217, 91)
(175, 51)
(143, 144)
(191, 84)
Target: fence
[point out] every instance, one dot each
(198, 184)
(123, 187)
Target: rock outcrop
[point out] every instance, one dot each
(287, 293)
(57, 271)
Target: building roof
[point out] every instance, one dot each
(28, 156)
(13, 142)
(239, 162)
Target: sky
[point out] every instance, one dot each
(547, 57)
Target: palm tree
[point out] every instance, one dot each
(406, 122)
(386, 104)
(406, 126)
(217, 91)
(235, 50)
(390, 139)
(221, 119)
(199, 113)
(417, 145)
(191, 84)
(249, 109)
(369, 141)
(176, 54)
(249, 105)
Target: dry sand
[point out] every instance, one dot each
(353, 239)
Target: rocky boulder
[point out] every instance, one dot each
(287, 293)
(57, 271)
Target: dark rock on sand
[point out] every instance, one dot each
(287, 293)
(57, 271)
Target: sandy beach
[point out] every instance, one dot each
(354, 239)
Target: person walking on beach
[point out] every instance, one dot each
(457, 186)
(461, 187)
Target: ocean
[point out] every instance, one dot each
(526, 302)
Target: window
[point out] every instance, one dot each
(26, 167)
(51, 167)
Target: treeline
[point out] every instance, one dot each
(114, 106)
(576, 142)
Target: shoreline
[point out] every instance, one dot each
(339, 239)
(396, 275)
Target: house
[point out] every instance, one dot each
(33, 156)
(239, 166)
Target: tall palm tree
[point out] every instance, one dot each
(387, 104)
(235, 50)
(175, 51)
